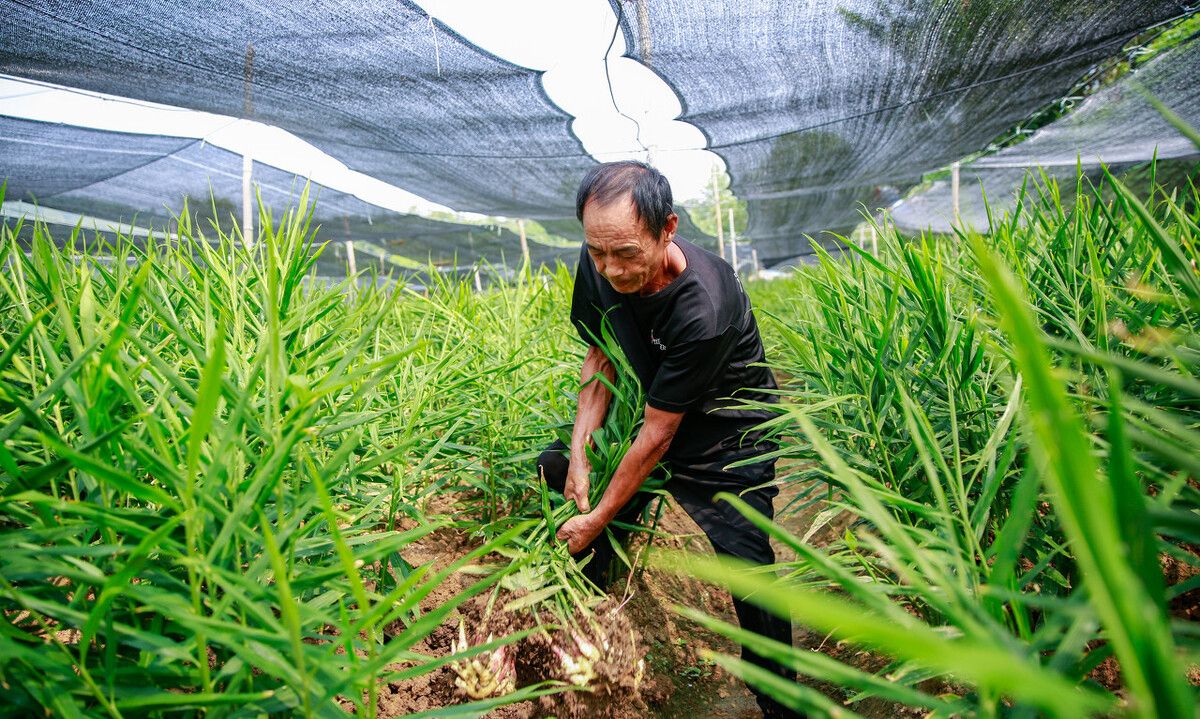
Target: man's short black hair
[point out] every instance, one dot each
(609, 182)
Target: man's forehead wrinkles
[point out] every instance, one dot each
(600, 244)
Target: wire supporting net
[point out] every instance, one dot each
(816, 105)
(1118, 126)
(375, 83)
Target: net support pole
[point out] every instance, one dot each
(350, 259)
(524, 244)
(717, 206)
(478, 282)
(247, 160)
(955, 171)
(754, 262)
(732, 243)
(247, 199)
(349, 244)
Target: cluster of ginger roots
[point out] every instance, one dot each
(597, 657)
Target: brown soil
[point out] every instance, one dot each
(683, 683)
(616, 687)
(1187, 605)
(434, 689)
(1184, 607)
(679, 681)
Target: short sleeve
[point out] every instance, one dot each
(690, 371)
(585, 302)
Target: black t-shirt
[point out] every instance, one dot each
(694, 344)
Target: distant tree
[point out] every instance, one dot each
(703, 211)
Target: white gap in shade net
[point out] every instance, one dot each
(567, 41)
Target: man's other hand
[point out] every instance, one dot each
(579, 482)
(580, 531)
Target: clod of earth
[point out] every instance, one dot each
(580, 667)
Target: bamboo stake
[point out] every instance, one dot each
(247, 199)
(350, 258)
(349, 249)
(954, 185)
(247, 160)
(524, 243)
(732, 243)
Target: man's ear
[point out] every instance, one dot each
(670, 227)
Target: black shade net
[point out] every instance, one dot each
(125, 176)
(374, 83)
(821, 110)
(836, 211)
(128, 179)
(1117, 127)
(816, 106)
(43, 159)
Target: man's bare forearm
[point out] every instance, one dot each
(648, 448)
(594, 397)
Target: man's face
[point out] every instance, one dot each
(624, 251)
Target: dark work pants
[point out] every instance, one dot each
(693, 485)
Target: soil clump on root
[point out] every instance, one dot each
(599, 662)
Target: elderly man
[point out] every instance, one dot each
(683, 320)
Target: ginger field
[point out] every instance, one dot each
(229, 489)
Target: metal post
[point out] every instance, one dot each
(954, 184)
(478, 282)
(754, 267)
(247, 161)
(732, 243)
(717, 204)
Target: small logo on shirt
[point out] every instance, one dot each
(657, 342)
